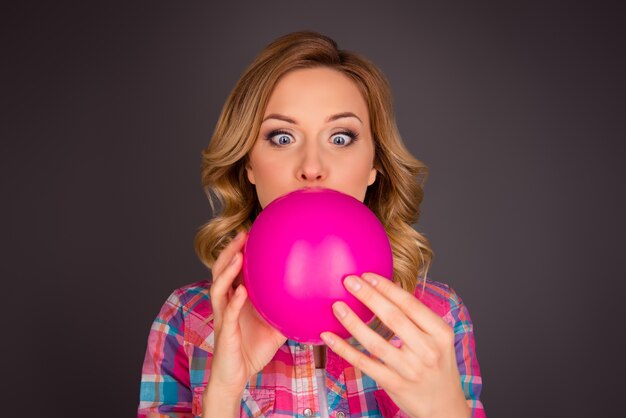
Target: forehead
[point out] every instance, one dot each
(316, 88)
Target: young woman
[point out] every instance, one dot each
(306, 114)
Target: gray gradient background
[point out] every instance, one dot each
(517, 109)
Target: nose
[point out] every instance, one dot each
(312, 168)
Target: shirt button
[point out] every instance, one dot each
(341, 414)
(307, 412)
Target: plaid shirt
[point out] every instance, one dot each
(180, 350)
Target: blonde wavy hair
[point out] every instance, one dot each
(394, 197)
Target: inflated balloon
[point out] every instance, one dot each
(299, 250)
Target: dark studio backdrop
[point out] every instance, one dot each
(517, 109)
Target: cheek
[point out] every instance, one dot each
(358, 172)
(262, 168)
(270, 181)
(356, 180)
(269, 174)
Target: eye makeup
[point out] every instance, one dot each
(347, 132)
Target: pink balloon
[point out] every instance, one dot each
(299, 250)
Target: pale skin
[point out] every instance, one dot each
(311, 118)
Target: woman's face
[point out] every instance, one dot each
(315, 133)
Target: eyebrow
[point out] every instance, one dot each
(331, 118)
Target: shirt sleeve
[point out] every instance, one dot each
(465, 348)
(165, 385)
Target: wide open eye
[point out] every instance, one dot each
(344, 138)
(279, 138)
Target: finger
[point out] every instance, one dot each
(376, 345)
(420, 314)
(228, 252)
(384, 376)
(230, 324)
(388, 312)
(221, 287)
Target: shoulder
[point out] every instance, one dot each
(187, 312)
(191, 299)
(438, 296)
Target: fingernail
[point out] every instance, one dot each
(352, 283)
(330, 341)
(370, 279)
(340, 310)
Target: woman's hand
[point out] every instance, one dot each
(421, 376)
(244, 341)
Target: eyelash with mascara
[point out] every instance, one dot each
(353, 136)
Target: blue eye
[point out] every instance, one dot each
(340, 139)
(344, 138)
(279, 138)
(284, 139)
